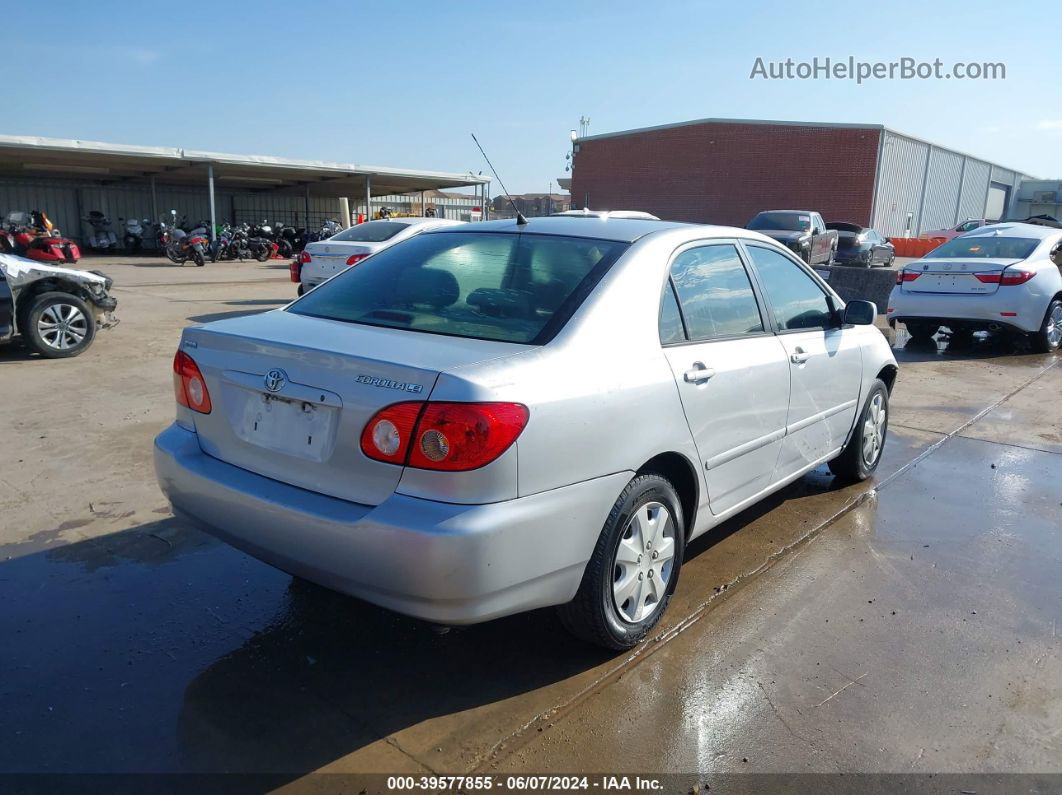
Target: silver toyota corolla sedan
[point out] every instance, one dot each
(490, 418)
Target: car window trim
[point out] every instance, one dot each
(831, 298)
(767, 329)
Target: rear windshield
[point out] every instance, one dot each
(506, 287)
(985, 248)
(789, 222)
(370, 232)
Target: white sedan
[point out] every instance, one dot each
(323, 259)
(1003, 277)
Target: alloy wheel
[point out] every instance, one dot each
(644, 562)
(62, 326)
(874, 430)
(1054, 327)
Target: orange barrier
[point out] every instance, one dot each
(913, 246)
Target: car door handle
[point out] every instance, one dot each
(698, 373)
(799, 356)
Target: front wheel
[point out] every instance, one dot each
(197, 256)
(633, 571)
(861, 455)
(1049, 337)
(262, 253)
(58, 325)
(284, 249)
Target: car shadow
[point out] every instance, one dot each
(167, 650)
(262, 304)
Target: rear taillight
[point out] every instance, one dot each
(453, 437)
(987, 278)
(387, 435)
(304, 257)
(906, 276)
(354, 259)
(188, 385)
(1012, 277)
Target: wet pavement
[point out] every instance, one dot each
(906, 624)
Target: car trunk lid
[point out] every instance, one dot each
(957, 276)
(291, 394)
(327, 258)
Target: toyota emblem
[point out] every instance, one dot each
(275, 380)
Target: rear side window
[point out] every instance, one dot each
(370, 232)
(505, 287)
(715, 293)
(671, 330)
(796, 300)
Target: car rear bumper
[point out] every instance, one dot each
(453, 564)
(973, 311)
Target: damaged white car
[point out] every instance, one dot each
(56, 311)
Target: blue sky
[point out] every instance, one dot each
(403, 83)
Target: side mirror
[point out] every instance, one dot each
(860, 313)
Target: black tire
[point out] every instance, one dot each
(921, 331)
(593, 614)
(262, 254)
(300, 289)
(197, 256)
(852, 464)
(1047, 339)
(284, 249)
(37, 319)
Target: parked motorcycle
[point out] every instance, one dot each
(327, 229)
(34, 236)
(236, 242)
(290, 240)
(101, 237)
(180, 245)
(133, 239)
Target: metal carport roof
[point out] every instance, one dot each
(27, 156)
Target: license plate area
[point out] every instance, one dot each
(951, 283)
(288, 426)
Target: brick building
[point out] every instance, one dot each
(725, 171)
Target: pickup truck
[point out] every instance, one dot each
(801, 231)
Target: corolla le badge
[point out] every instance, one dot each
(275, 380)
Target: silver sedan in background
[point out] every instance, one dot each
(491, 418)
(1003, 277)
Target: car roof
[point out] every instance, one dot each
(418, 220)
(585, 213)
(801, 212)
(625, 230)
(1013, 230)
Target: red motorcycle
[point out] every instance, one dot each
(34, 236)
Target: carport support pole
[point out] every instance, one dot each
(307, 224)
(368, 197)
(210, 189)
(154, 202)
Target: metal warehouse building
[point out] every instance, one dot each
(724, 171)
(69, 178)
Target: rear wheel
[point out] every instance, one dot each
(262, 253)
(58, 325)
(629, 580)
(920, 330)
(1049, 337)
(861, 455)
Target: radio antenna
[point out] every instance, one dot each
(520, 220)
